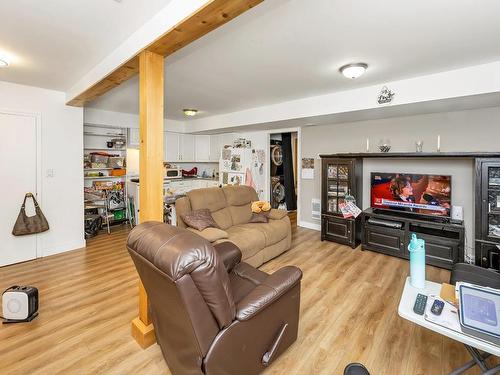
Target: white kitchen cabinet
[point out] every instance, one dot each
(190, 148)
(171, 147)
(202, 147)
(186, 145)
(134, 138)
(217, 142)
(215, 147)
(228, 139)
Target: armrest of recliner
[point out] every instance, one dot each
(268, 292)
(229, 253)
(276, 214)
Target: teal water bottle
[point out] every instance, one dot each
(417, 262)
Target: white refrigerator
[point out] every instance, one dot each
(243, 166)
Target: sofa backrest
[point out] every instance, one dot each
(213, 199)
(230, 205)
(239, 201)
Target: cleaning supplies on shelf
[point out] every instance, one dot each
(417, 261)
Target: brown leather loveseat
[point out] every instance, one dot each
(212, 313)
(230, 207)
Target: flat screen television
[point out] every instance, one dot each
(423, 194)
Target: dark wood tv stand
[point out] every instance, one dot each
(445, 239)
(390, 233)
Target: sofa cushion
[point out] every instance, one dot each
(239, 195)
(211, 198)
(274, 231)
(259, 218)
(210, 234)
(249, 240)
(215, 200)
(223, 218)
(199, 219)
(240, 214)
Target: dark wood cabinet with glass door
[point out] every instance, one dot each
(340, 177)
(487, 244)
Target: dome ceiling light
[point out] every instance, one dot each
(4, 62)
(190, 112)
(353, 71)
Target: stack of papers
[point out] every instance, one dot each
(448, 317)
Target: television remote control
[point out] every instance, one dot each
(420, 302)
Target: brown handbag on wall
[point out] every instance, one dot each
(30, 224)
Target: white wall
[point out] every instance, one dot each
(472, 130)
(62, 151)
(469, 86)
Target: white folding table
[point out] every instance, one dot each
(472, 344)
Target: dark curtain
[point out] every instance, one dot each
(290, 198)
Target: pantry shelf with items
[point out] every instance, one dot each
(105, 175)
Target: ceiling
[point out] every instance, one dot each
(288, 49)
(53, 43)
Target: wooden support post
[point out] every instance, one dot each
(151, 66)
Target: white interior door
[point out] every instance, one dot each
(18, 167)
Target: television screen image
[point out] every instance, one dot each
(417, 193)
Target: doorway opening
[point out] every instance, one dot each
(283, 172)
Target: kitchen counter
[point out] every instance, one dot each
(165, 180)
(173, 188)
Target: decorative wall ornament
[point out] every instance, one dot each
(385, 95)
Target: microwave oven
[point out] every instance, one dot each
(171, 173)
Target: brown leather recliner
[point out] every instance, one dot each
(212, 313)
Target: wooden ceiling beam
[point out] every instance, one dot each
(213, 15)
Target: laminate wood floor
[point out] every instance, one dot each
(348, 314)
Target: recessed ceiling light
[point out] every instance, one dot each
(4, 62)
(353, 71)
(190, 112)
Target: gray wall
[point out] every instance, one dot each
(473, 130)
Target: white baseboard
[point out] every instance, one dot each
(307, 224)
(63, 248)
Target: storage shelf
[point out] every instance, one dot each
(99, 169)
(105, 135)
(106, 149)
(103, 177)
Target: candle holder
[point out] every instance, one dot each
(384, 145)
